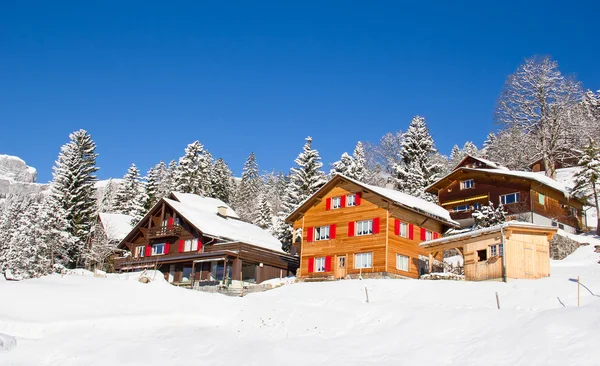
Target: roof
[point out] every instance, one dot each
(116, 226)
(402, 199)
(487, 230)
(207, 204)
(206, 219)
(489, 163)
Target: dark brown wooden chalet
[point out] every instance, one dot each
(349, 228)
(198, 240)
(526, 196)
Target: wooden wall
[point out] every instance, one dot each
(383, 245)
(527, 255)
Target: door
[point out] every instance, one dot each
(340, 269)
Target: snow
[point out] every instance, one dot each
(207, 204)
(231, 229)
(454, 260)
(406, 200)
(116, 226)
(101, 184)
(85, 320)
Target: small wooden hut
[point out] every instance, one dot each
(511, 250)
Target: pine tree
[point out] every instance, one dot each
(343, 165)
(417, 170)
(358, 170)
(56, 233)
(248, 190)
(131, 197)
(265, 217)
(221, 181)
(470, 149)
(168, 185)
(107, 201)
(73, 186)
(193, 171)
(488, 145)
(489, 216)
(587, 180)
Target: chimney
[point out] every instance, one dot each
(222, 211)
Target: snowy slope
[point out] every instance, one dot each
(118, 321)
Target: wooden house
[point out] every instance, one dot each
(511, 250)
(526, 196)
(200, 240)
(107, 233)
(348, 228)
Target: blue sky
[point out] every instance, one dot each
(147, 78)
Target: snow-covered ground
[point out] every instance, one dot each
(79, 319)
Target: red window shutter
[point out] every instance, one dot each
(200, 244)
(436, 235)
(351, 228)
(148, 250)
(332, 230)
(181, 243)
(309, 234)
(376, 225)
(396, 227)
(170, 223)
(411, 231)
(328, 264)
(311, 265)
(343, 201)
(422, 234)
(358, 197)
(167, 248)
(328, 204)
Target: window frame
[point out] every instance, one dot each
(155, 252)
(336, 202)
(192, 243)
(351, 200)
(317, 230)
(322, 268)
(456, 210)
(517, 198)
(367, 255)
(140, 251)
(428, 235)
(398, 255)
(541, 199)
(405, 226)
(467, 184)
(369, 227)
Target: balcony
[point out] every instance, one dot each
(164, 232)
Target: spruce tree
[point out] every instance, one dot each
(107, 201)
(73, 187)
(264, 219)
(488, 145)
(221, 181)
(489, 216)
(418, 170)
(249, 190)
(587, 180)
(343, 165)
(192, 174)
(131, 197)
(156, 184)
(358, 170)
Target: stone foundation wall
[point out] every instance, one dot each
(561, 247)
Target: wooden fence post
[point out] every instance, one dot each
(497, 300)
(367, 294)
(578, 291)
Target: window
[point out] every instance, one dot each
(363, 260)
(322, 233)
(510, 198)
(462, 208)
(351, 200)
(336, 202)
(497, 250)
(190, 244)
(561, 226)
(477, 206)
(466, 184)
(140, 252)
(404, 230)
(364, 227)
(158, 249)
(428, 235)
(320, 264)
(482, 255)
(401, 262)
(574, 212)
(541, 199)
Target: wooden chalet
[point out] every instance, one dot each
(199, 240)
(511, 250)
(526, 196)
(107, 233)
(349, 229)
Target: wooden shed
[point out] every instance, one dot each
(511, 250)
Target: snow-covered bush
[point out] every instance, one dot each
(489, 216)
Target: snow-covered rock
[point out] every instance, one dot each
(17, 178)
(7, 342)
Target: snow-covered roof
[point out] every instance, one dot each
(565, 176)
(487, 162)
(491, 229)
(406, 200)
(228, 228)
(116, 226)
(540, 178)
(204, 203)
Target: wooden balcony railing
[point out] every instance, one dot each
(164, 231)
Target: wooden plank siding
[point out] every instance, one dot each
(383, 245)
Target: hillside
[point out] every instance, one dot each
(117, 320)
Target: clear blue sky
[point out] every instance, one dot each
(147, 78)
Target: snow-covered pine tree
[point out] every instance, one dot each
(274, 190)
(248, 190)
(156, 184)
(343, 165)
(131, 196)
(192, 174)
(107, 201)
(488, 145)
(489, 216)
(417, 170)
(56, 233)
(587, 180)
(358, 170)
(265, 217)
(73, 186)
(305, 179)
(469, 148)
(221, 181)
